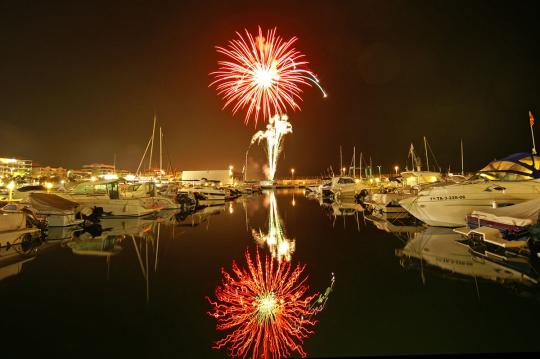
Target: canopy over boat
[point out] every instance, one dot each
(519, 166)
(47, 201)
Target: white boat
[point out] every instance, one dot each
(148, 190)
(14, 229)
(205, 195)
(511, 180)
(58, 211)
(340, 187)
(106, 195)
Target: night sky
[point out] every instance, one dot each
(80, 80)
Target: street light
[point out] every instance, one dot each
(379, 166)
(343, 169)
(396, 168)
(292, 173)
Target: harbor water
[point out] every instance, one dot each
(141, 287)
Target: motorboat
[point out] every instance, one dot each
(106, 195)
(505, 182)
(15, 229)
(346, 187)
(56, 211)
(205, 195)
(148, 190)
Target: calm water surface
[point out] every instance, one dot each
(139, 288)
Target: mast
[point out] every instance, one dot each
(531, 121)
(340, 161)
(160, 151)
(360, 165)
(425, 148)
(152, 146)
(114, 163)
(462, 173)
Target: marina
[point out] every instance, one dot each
(294, 179)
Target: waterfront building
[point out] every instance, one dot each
(12, 167)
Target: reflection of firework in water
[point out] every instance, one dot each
(267, 308)
(275, 130)
(263, 74)
(280, 247)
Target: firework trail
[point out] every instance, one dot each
(280, 247)
(262, 74)
(267, 309)
(276, 128)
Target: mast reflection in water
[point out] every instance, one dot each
(267, 308)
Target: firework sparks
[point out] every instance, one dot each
(276, 128)
(280, 247)
(262, 74)
(267, 309)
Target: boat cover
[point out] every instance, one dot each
(49, 201)
(521, 214)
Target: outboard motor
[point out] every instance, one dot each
(360, 197)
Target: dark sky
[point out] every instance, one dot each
(80, 80)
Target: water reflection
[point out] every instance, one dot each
(266, 307)
(13, 258)
(278, 244)
(440, 250)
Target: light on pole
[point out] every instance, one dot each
(379, 166)
(292, 173)
(396, 168)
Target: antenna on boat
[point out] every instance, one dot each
(531, 121)
(360, 170)
(427, 158)
(354, 162)
(462, 173)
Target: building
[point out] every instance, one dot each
(39, 171)
(98, 169)
(12, 167)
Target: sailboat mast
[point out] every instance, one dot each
(340, 161)
(425, 148)
(152, 146)
(360, 165)
(160, 151)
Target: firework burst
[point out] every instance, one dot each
(262, 74)
(267, 309)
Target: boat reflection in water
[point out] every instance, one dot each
(278, 244)
(107, 238)
(439, 249)
(342, 208)
(14, 257)
(267, 307)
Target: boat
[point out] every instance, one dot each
(205, 195)
(56, 211)
(106, 195)
(505, 182)
(16, 229)
(148, 190)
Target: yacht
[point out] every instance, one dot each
(345, 187)
(512, 180)
(15, 229)
(148, 190)
(106, 195)
(205, 195)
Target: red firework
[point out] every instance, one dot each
(262, 74)
(265, 307)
